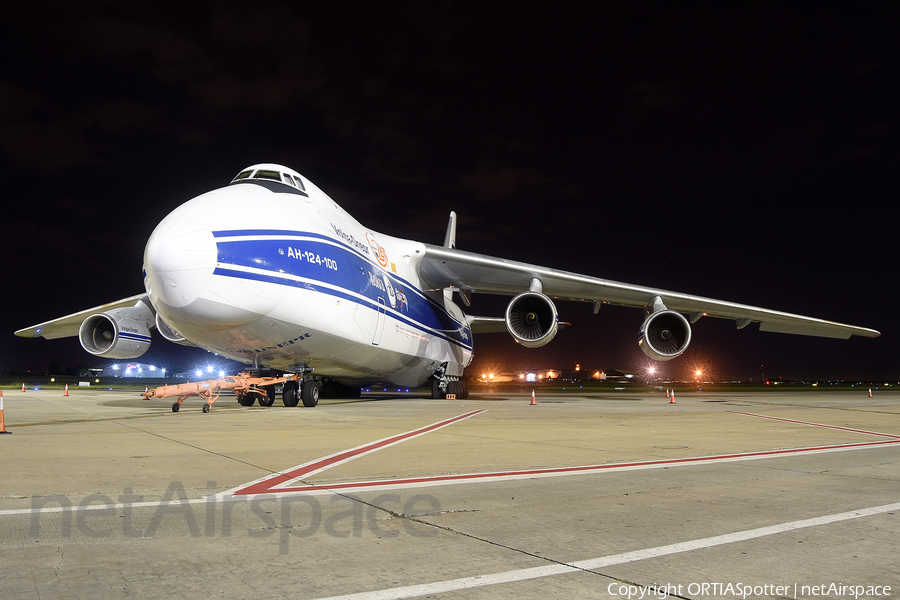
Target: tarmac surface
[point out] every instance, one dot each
(585, 495)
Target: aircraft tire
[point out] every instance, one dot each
(310, 394)
(436, 390)
(290, 393)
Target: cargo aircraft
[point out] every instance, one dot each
(338, 305)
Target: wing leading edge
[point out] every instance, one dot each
(68, 326)
(443, 268)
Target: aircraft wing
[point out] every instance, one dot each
(443, 268)
(68, 326)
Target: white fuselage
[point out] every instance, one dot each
(269, 275)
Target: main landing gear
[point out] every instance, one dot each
(295, 391)
(311, 390)
(441, 389)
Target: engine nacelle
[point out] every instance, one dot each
(119, 333)
(665, 335)
(531, 319)
(170, 334)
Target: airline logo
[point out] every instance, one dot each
(380, 252)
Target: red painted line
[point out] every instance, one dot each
(888, 435)
(437, 480)
(270, 483)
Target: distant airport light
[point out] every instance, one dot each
(199, 373)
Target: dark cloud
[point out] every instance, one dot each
(734, 153)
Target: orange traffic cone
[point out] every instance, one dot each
(2, 424)
(23, 387)
(533, 403)
(870, 392)
(667, 392)
(672, 398)
(66, 393)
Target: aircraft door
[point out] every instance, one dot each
(379, 324)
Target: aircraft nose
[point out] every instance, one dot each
(179, 260)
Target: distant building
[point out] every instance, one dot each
(572, 375)
(130, 369)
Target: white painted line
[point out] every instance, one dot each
(850, 429)
(463, 583)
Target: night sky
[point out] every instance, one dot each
(744, 153)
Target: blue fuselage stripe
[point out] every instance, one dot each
(302, 260)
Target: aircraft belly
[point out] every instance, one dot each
(336, 338)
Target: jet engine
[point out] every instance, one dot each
(167, 332)
(170, 334)
(665, 335)
(531, 319)
(119, 333)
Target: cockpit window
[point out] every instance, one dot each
(275, 180)
(243, 175)
(273, 175)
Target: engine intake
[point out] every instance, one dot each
(665, 335)
(120, 333)
(531, 319)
